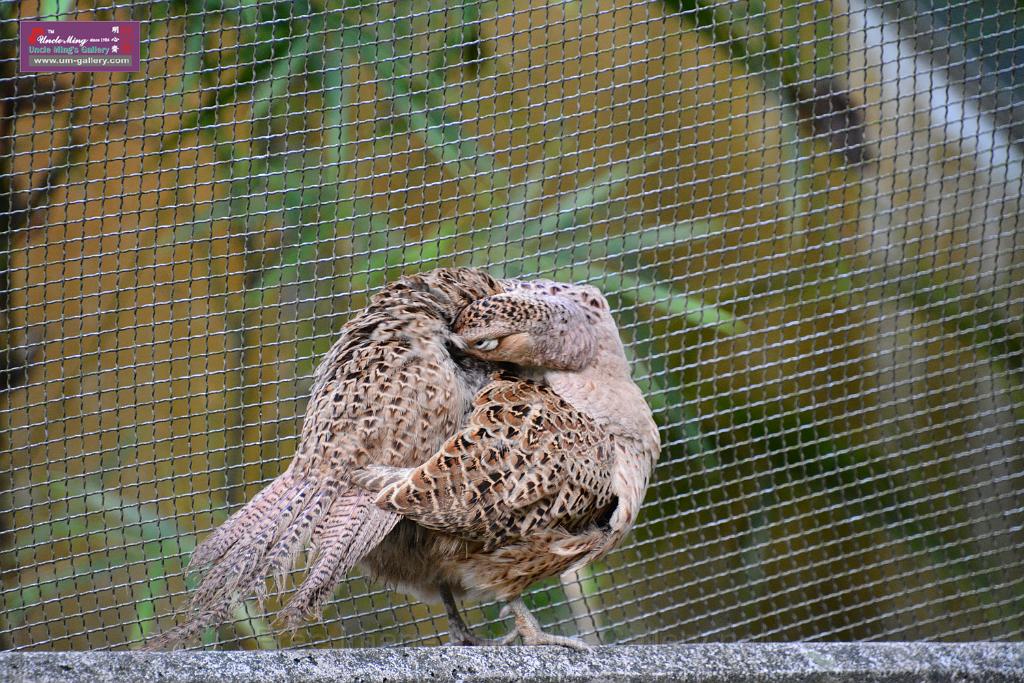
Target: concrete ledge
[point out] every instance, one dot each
(760, 663)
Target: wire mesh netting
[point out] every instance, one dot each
(804, 213)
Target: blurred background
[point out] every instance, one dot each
(805, 213)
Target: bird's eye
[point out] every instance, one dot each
(486, 344)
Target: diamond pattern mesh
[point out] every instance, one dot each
(805, 214)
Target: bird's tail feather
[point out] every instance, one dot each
(212, 549)
(352, 527)
(265, 538)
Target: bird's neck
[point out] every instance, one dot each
(605, 390)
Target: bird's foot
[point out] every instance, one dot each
(529, 628)
(543, 638)
(465, 638)
(459, 634)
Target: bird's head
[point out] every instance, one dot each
(540, 324)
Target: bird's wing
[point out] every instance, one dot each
(526, 460)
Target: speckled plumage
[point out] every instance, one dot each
(502, 479)
(438, 475)
(388, 393)
(549, 473)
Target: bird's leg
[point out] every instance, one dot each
(530, 629)
(457, 629)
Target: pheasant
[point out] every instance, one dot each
(549, 472)
(389, 392)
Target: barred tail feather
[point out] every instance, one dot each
(282, 558)
(262, 538)
(183, 634)
(223, 537)
(353, 526)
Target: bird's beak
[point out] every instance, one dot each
(459, 342)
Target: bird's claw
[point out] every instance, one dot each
(542, 638)
(470, 640)
(529, 628)
(509, 637)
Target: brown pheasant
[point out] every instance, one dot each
(550, 472)
(389, 392)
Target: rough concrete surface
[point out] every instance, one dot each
(747, 663)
